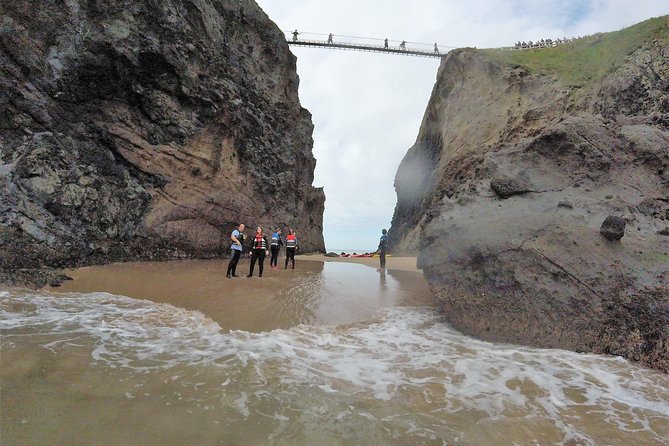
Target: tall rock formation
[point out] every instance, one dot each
(141, 130)
(520, 158)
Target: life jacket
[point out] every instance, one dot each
(275, 239)
(259, 242)
(291, 241)
(384, 242)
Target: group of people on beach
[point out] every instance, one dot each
(259, 248)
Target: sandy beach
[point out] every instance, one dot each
(320, 291)
(392, 263)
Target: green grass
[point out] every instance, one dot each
(587, 59)
(656, 257)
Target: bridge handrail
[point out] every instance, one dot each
(370, 45)
(338, 38)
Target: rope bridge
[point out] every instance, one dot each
(368, 44)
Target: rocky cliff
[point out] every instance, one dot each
(520, 158)
(146, 130)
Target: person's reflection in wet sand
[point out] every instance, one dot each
(382, 278)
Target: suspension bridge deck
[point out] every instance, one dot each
(364, 47)
(368, 44)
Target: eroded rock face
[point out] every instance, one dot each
(503, 195)
(147, 130)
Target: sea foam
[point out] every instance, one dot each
(402, 351)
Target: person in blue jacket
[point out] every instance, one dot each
(275, 244)
(237, 238)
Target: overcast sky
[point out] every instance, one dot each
(367, 107)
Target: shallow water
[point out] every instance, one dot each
(99, 368)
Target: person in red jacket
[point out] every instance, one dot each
(291, 247)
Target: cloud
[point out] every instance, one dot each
(367, 107)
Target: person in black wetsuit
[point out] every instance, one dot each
(275, 244)
(258, 251)
(383, 246)
(237, 238)
(291, 247)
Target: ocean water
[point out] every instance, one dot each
(105, 369)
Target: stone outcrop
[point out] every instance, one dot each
(513, 172)
(146, 130)
(506, 187)
(613, 228)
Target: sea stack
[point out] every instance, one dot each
(520, 158)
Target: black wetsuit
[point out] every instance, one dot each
(383, 245)
(291, 247)
(236, 254)
(290, 255)
(232, 266)
(275, 245)
(258, 254)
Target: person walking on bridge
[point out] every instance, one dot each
(436, 48)
(330, 39)
(403, 45)
(295, 34)
(385, 44)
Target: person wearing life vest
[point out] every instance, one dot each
(383, 246)
(237, 238)
(291, 247)
(275, 244)
(259, 247)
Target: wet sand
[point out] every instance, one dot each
(392, 263)
(316, 292)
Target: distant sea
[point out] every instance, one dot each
(349, 250)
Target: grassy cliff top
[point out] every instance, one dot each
(588, 59)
